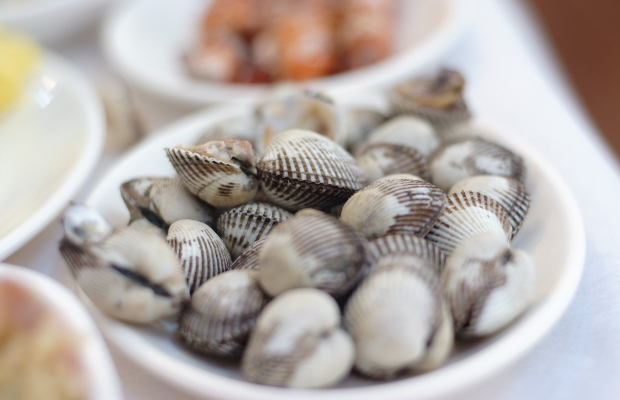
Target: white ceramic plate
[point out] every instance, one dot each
(49, 21)
(144, 40)
(552, 234)
(100, 375)
(49, 143)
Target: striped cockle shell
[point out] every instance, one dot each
(249, 258)
(468, 214)
(131, 274)
(162, 201)
(464, 157)
(297, 342)
(359, 123)
(437, 99)
(486, 284)
(508, 192)
(406, 244)
(220, 172)
(381, 159)
(243, 225)
(398, 320)
(406, 130)
(202, 252)
(304, 169)
(222, 313)
(239, 127)
(390, 206)
(312, 249)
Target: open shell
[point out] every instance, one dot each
(382, 159)
(222, 313)
(510, 193)
(249, 258)
(312, 249)
(297, 342)
(461, 158)
(202, 253)
(486, 284)
(407, 130)
(390, 206)
(243, 225)
(467, 214)
(222, 173)
(398, 320)
(304, 169)
(406, 244)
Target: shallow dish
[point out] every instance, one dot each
(99, 372)
(144, 40)
(50, 141)
(552, 234)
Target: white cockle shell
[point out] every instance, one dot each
(486, 284)
(249, 258)
(409, 131)
(398, 320)
(297, 342)
(394, 205)
(304, 169)
(202, 252)
(359, 123)
(406, 244)
(382, 159)
(222, 313)
(243, 225)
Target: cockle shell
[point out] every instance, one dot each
(486, 284)
(407, 130)
(468, 214)
(510, 193)
(240, 127)
(162, 201)
(461, 158)
(406, 244)
(222, 313)
(312, 249)
(359, 122)
(382, 159)
(243, 225)
(437, 99)
(397, 318)
(220, 172)
(129, 273)
(297, 342)
(249, 258)
(202, 252)
(304, 169)
(390, 206)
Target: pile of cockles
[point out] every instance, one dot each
(309, 241)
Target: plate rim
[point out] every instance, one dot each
(517, 342)
(84, 163)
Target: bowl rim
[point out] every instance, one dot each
(474, 368)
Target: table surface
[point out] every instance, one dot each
(514, 81)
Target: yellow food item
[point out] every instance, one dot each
(18, 57)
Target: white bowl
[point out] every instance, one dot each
(552, 234)
(49, 21)
(50, 142)
(144, 40)
(101, 379)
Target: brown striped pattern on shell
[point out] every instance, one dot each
(249, 258)
(202, 252)
(243, 225)
(222, 313)
(76, 258)
(406, 130)
(391, 206)
(510, 193)
(407, 244)
(464, 157)
(468, 214)
(304, 169)
(219, 183)
(381, 159)
(312, 249)
(394, 316)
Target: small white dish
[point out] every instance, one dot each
(101, 378)
(552, 234)
(144, 39)
(50, 142)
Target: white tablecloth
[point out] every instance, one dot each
(512, 80)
